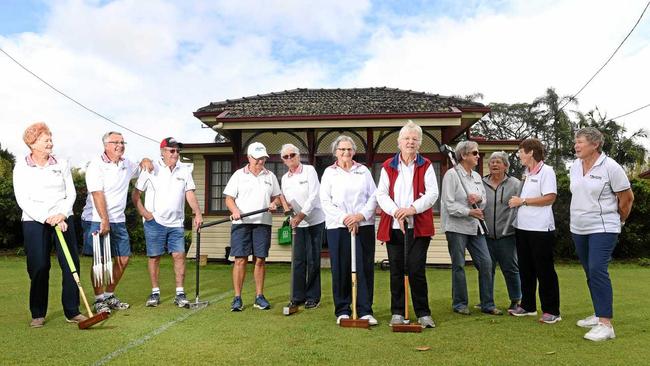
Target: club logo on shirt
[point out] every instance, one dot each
(595, 177)
(358, 172)
(534, 180)
(268, 183)
(303, 182)
(181, 179)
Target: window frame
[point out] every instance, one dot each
(209, 159)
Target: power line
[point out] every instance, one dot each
(609, 59)
(73, 100)
(628, 113)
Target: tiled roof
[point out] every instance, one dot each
(318, 102)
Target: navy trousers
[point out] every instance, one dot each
(306, 263)
(39, 241)
(338, 241)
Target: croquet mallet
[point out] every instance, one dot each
(406, 327)
(197, 304)
(354, 322)
(92, 319)
(291, 307)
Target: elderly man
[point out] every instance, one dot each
(107, 180)
(251, 188)
(167, 188)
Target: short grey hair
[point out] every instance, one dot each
(291, 147)
(340, 139)
(108, 134)
(464, 148)
(501, 155)
(410, 126)
(592, 135)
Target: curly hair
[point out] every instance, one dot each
(33, 131)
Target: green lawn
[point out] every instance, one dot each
(214, 335)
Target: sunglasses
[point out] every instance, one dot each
(475, 153)
(116, 142)
(173, 151)
(289, 156)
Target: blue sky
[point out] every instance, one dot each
(154, 65)
(18, 16)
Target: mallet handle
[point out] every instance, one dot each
(73, 268)
(208, 224)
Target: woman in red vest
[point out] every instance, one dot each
(406, 193)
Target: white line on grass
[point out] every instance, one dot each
(155, 332)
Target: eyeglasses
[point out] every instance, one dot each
(289, 156)
(344, 149)
(116, 142)
(475, 153)
(173, 151)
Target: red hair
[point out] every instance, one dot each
(35, 130)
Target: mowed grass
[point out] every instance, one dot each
(214, 335)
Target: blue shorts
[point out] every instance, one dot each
(120, 244)
(159, 237)
(247, 239)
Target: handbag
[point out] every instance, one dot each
(284, 233)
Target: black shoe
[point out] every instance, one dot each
(311, 304)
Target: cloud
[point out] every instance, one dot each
(147, 68)
(150, 65)
(513, 55)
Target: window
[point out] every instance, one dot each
(276, 167)
(218, 176)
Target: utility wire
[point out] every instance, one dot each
(628, 113)
(606, 62)
(73, 100)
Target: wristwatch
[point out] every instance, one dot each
(524, 202)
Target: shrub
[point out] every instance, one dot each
(633, 241)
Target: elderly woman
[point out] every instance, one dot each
(535, 235)
(45, 192)
(460, 223)
(407, 191)
(347, 194)
(300, 186)
(500, 188)
(601, 201)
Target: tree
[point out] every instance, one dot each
(625, 150)
(557, 127)
(10, 226)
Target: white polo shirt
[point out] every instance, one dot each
(45, 191)
(303, 187)
(537, 218)
(594, 206)
(165, 191)
(112, 179)
(347, 192)
(253, 192)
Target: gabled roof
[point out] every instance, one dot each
(377, 102)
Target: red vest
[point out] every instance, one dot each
(423, 222)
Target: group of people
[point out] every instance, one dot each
(498, 219)
(45, 192)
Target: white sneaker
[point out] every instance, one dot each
(371, 319)
(588, 322)
(600, 332)
(344, 316)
